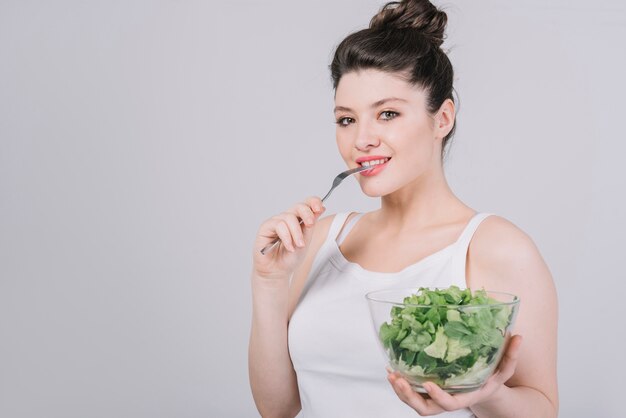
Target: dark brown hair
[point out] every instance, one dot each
(404, 38)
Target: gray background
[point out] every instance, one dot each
(143, 142)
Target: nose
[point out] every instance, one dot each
(366, 139)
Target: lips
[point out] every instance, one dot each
(377, 162)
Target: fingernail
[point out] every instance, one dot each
(300, 243)
(426, 387)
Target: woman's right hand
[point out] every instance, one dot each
(281, 261)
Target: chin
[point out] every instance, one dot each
(375, 191)
(372, 194)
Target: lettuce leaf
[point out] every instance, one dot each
(446, 344)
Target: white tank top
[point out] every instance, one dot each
(340, 367)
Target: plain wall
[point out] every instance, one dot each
(143, 142)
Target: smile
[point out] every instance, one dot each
(373, 162)
(377, 164)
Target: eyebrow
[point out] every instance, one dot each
(373, 105)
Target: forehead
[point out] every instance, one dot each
(361, 88)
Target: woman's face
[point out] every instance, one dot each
(383, 119)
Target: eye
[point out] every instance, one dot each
(389, 115)
(343, 122)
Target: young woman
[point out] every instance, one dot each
(312, 348)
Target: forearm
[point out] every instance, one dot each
(272, 378)
(516, 402)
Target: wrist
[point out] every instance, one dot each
(496, 399)
(270, 281)
(270, 300)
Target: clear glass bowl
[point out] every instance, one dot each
(455, 346)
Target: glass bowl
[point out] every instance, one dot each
(442, 339)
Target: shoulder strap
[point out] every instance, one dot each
(337, 225)
(470, 229)
(347, 228)
(462, 245)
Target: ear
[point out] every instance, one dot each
(444, 119)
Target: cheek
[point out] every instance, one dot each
(343, 145)
(423, 141)
(417, 154)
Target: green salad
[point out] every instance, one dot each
(446, 340)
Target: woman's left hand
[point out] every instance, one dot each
(440, 401)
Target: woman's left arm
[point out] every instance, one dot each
(503, 258)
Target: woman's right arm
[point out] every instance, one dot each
(277, 280)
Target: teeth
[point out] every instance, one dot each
(374, 162)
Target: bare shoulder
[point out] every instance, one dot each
(320, 232)
(502, 253)
(498, 240)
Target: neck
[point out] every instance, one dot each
(427, 201)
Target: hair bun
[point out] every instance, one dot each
(420, 15)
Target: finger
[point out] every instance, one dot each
(404, 391)
(267, 230)
(318, 214)
(442, 398)
(295, 229)
(282, 230)
(304, 212)
(316, 204)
